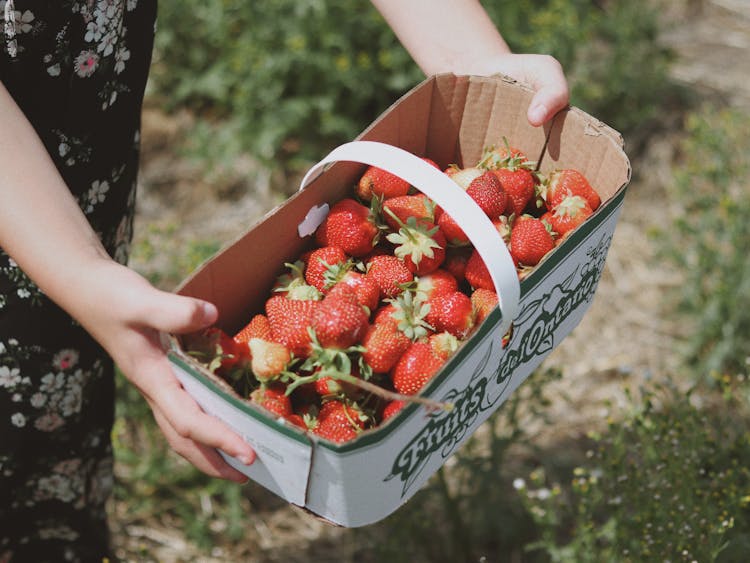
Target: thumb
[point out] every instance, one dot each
(177, 314)
(551, 95)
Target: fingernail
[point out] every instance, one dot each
(246, 459)
(538, 113)
(210, 312)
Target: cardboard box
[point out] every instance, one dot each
(449, 119)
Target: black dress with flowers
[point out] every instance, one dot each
(77, 69)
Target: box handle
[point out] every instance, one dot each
(447, 194)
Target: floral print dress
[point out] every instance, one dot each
(77, 69)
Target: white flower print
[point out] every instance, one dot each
(2, 348)
(65, 359)
(85, 63)
(131, 5)
(18, 419)
(38, 400)
(121, 56)
(23, 293)
(54, 70)
(58, 533)
(96, 194)
(9, 377)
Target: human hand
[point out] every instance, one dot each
(543, 73)
(128, 327)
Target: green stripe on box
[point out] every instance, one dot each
(241, 404)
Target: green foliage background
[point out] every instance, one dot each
(286, 80)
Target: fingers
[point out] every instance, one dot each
(191, 424)
(552, 94)
(177, 314)
(203, 458)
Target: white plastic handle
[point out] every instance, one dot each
(447, 194)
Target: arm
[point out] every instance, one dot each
(458, 36)
(45, 232)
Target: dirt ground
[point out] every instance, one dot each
(622, 340)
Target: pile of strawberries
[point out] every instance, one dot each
(361, 322)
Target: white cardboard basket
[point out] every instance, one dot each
(449, 119)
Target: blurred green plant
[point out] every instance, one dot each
(286, 80)
(666, 481)
(707, 239)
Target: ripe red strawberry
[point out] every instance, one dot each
(389, 273)
(519, 184)
(339, 422)
(384, 344)
(274, 399)
(350, 226)
(418, 206)
(454, 234)
(380, 183)
(258, 327)
(484, 301)
(319, 262)
(421, 246)
(365, 288)
(298, 420)
(391, 408)
(436, 283)
(453, 313)
(455, 261)
(530, 240)
(415, 368)
(292, 284)
(488, 192)
(561, 183)
(569, 213)
(289, 320)
(269, 359)
(339, 321)
(477, 273)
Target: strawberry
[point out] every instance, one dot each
(408, 313)
(217, 349)
(561, 183)
(269, 359)
(454, 234)
(365, 288)
(568, 214)
(453, 313)
(418, 206)
(421, 246)
(339, 422)
(495, 157)
(464, 176)
(380, 183)
(530, 240)
(455, 261)
(436, 283)
(487, 191)
(444, 344)
(519, 184)
(258, 327)
(298, 420)
(391, 408)
(320, 262)
(339, 321)
(484, 301)
(274, 399)
(384, 344)
(415, 368)
(389, 273)
(477, 273)
(351, 226)
(431, 162)
(289, 320)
